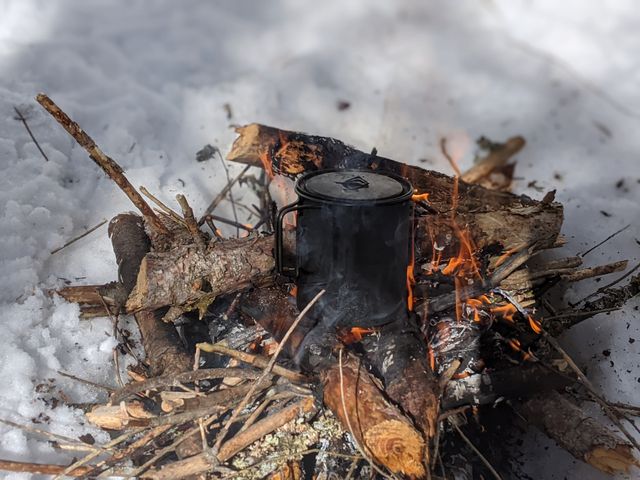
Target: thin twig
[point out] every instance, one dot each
(162, 206)
(452, 162)
(252, 359)
(609, 285)
(73, 240)
(604, 241)
(265, 372)
(580, 314)
(184, 377)
(116, 441)
(192, 225)
(171, 447)
(233, 203)
(88, 382)
(24, 122)
(233, 223)
(50, 435)
(476, 451)
(108, 165)
(212, 206)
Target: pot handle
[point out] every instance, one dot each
(292, 207)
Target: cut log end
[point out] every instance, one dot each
(612, 460)
(397, 446)
(383, 432)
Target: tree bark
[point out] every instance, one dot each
(188, 277)
(579, 434)
(492, 217)
(164, 352)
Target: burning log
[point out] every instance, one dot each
(349, 391)
(491, 217)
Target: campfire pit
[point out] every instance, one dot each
(414, 356)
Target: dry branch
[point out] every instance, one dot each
(498, 156)
(106, 163)
(385, 434)
(161, 343)
(579, 434)
(206, 461)
(186, 276)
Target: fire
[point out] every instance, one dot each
(535, 325)
(267, 164)
(353, 335)
(506, 311)
(420, 197)
(411, 281)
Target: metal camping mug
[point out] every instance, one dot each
(353, 237)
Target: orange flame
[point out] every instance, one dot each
(411, 281)
(535, 325)
(353, 335)
(420, 197)
(267, 164)
(506, 311)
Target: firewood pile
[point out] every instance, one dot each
(230, 388)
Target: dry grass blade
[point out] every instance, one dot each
(75, 239)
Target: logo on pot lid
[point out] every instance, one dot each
(354, 183)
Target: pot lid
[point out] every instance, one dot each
(353, 186)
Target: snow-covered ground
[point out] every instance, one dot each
(149, 81)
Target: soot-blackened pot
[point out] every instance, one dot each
(353, 237)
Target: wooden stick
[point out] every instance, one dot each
(497, 157)
(206, 461)
(171, 213)
(579, 434)
(254, 360)
(42, 468)
(108, 165)
(174, 380)
(598, 271)
(190, 221)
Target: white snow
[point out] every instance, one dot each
(148, 80)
